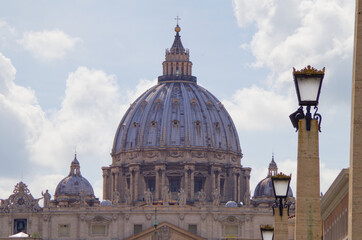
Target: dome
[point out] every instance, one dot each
(265, 186)
(265, 189)
(176, 114)
(74, 183)
(231, 204)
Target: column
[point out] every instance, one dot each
(213, 178)
(137, 174)
(235, 187)
(218, 180)
(308, 224)
(281, 225)
(163, 178)
(157, 195)
(105, 183)
(168, 68)
(240, 181)
(355, 169)
(131, 183)
(192, 187)
(173, 68)
(187, 181)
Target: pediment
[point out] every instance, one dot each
(165, 231)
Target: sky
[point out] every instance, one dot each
(70, 69)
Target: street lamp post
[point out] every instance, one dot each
(267, 232)
(308, 82)
(280, 183)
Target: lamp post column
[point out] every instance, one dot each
(281, 225)
(308, 225)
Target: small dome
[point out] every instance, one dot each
(265, 186)
(106, 203)
(74, 183)
(231, 204)
(265, 189)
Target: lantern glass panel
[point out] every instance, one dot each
(281, 187)
(308, 89)
(267, 235)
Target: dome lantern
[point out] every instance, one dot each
(177, 65)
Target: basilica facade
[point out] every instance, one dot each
(176, 173)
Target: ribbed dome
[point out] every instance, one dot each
(74, 183)
(176, 114)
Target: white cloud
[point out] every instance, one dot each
(256, 108)
(48, 45)
(297, 33)
(40, 146)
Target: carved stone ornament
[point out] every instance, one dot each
(126, 216)
(203, 216)
(175, 154)
(181, 216)
(148, 216)
(46, 218)
(199, 154)
(165, 233)
(219, 156)
(151, 154)
(82, 217)
(231, 219)
(20, 200)
(132, 155)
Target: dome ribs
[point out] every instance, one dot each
(147, 134)
(166, 116)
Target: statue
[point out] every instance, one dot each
(148, 197)
(47, 197)
(216, 197)
(82, 199)
(116, 197)
(181, 198)
(202, 196)
(127, 196)
(165, 196)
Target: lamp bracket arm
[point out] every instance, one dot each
(318, 117)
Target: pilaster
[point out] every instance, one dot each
(355, 169)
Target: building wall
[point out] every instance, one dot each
(334, 208)
(336, 224)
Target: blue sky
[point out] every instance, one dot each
(70, 69)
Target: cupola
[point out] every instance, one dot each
(177, 65)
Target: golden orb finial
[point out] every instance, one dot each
(177, 28)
